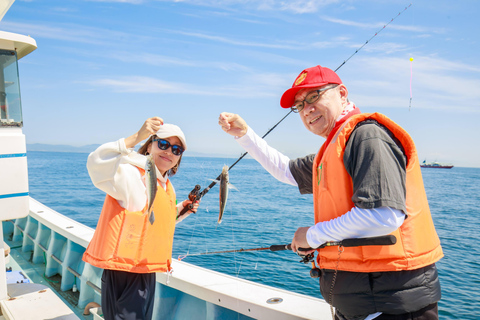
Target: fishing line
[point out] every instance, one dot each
(208, 239)
(238, 272)
(204, 191)
(233, 243)
(411, 65)
(202, 165)
(245, 214)
(191, 238)
(376, 33)
(385, 240)
(234, 202)
(411, 76)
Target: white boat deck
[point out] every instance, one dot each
(31, 297)
(28, 301)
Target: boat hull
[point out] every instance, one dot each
(436, 167)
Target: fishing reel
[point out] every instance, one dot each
(193, 196)
(306, 258)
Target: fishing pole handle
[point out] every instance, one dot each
(280, 247)
(185, 209)
(386, 240)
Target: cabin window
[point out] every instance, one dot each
(10, 104)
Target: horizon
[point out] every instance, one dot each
(103, 67)
(193, 154)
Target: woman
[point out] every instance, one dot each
(126, 245)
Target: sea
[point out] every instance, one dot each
(262, 211)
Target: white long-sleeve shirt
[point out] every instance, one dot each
(356, 223)
(113, 169)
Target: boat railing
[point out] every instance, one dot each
(58, 243)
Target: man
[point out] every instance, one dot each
(366, 181)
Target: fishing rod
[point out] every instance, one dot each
(315, 272)
(374, 36)
(351, 242)
(195, 195)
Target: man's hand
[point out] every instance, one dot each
(232, 124)
(300, 241)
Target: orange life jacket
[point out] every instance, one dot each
(417, 242)
(126, 241)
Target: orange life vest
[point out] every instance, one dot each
(126, 241)
(417, 242)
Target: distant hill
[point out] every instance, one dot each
(61, 148)
(91, 147)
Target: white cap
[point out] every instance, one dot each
(170, 130)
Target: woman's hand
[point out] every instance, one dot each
(196, 204)
(151, 126)
(184, 204)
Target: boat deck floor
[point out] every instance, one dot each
(42, 294)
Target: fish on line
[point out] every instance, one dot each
(151, 185)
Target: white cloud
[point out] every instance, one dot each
(304, 6)
(260, 85)
(70, 32)
(234, 42)
(120, 1)
(161, 60)
(380, 25)
(293, 6)
(378, 82)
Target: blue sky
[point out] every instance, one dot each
(103, 67)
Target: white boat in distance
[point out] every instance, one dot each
(42, 275)
(436, 164)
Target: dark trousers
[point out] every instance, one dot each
(428, 313)
(127, 296)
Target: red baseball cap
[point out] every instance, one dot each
(309, 78)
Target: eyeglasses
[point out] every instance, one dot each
(312, 97)
(164, 145)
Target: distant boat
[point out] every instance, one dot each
(436, 165)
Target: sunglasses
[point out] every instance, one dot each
(164, 145)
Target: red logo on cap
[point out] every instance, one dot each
(300, 78)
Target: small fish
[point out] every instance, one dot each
(223, 192)
(151, 184)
